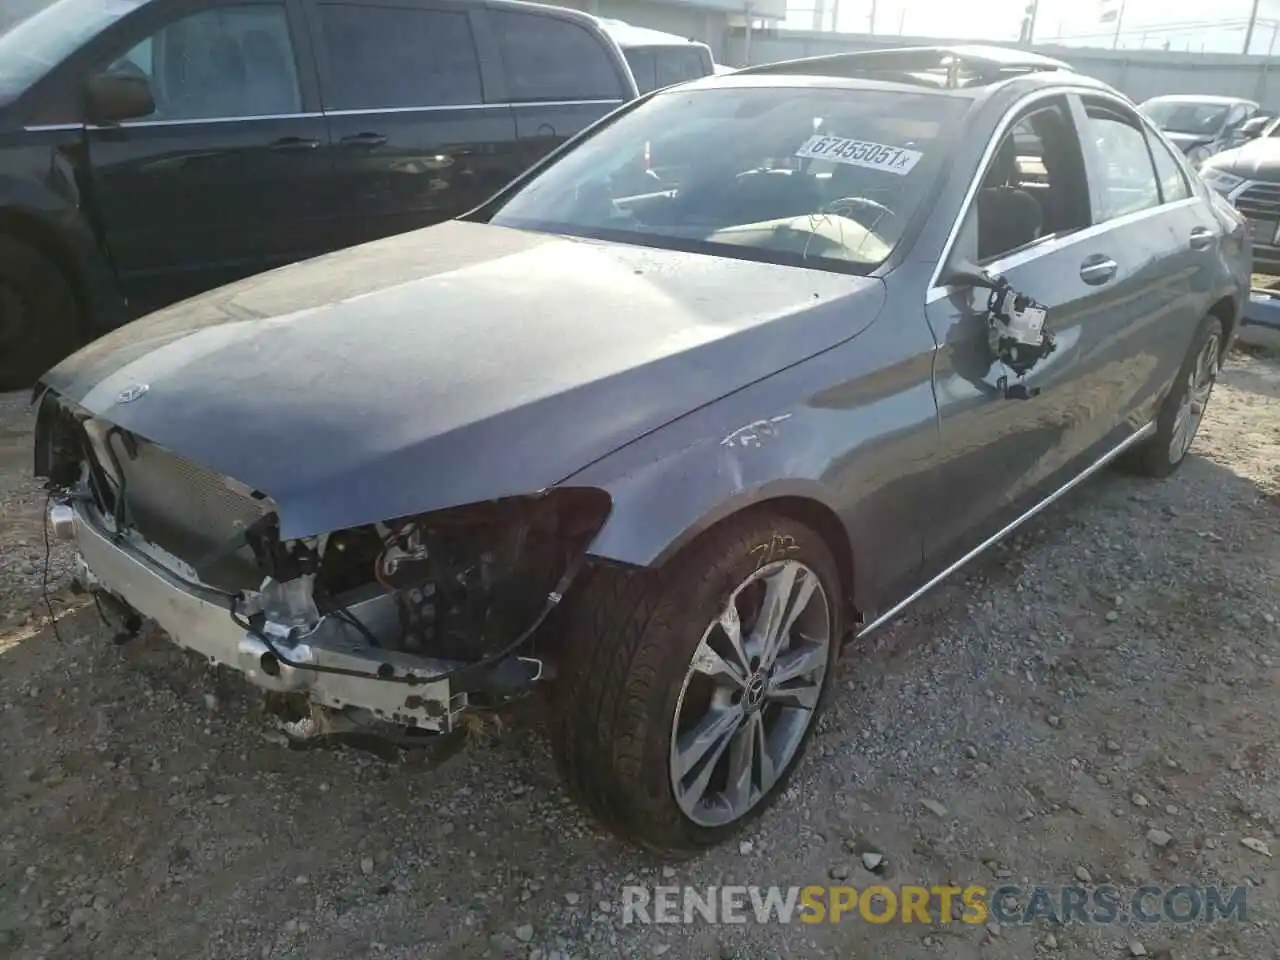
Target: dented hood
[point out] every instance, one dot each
(451, 365)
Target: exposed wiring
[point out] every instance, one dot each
(552, 601)
(44, 579)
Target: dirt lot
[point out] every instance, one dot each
(1109, 675)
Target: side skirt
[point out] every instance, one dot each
(995, 538)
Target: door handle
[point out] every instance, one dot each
(1201, 238)
(289, 144)
(1097, 270)
(363, 140)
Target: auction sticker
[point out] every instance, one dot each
(860, 153)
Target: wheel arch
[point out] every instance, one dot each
(801, 501)
(1228, 311)
(37, 233)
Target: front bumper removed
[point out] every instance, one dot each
(198, 618)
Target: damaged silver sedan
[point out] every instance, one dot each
(724, 383)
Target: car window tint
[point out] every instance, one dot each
(225, 62)
(642, 68)
(383, 58)
(1128, 176)
(791, 175)
(1173, 182)
(548, 58)
(675, 65)
(1033, 187)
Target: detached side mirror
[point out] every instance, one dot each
(113, 97)
(966, 274)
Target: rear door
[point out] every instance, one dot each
(1161, 238)
(560, 76)
(228, 176)
(414, 138)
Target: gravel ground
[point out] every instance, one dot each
(1093, 702)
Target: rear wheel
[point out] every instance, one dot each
(38, 314)
(689, 693)
(1183, 409)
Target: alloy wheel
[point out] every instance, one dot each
(1194, 399)
(751, 693)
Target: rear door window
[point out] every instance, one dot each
(382, 58)
(549, 58)
(1125, 168)
(1173, 182)
(676, 65)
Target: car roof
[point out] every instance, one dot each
(1198, 98)
(628, 35)
(966, 70)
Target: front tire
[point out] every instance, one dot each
(688, 694)
(1183, 409)
(38, 314)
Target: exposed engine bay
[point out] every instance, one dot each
(406, 622)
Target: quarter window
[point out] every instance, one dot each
(234, 61)
(548, 58)
(1128, 176)
(1173, 182)
(383, 58)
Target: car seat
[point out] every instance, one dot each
(1008, 216)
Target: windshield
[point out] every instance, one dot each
(48, 32)
(786, 174)
(1176, 117)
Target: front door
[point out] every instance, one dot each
(1008, 437)
(226, 178)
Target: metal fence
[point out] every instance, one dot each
(1137, 73)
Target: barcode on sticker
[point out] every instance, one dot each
(860, 153)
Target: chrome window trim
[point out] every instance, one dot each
(1054, 244)
(313, 115)
(935, 291)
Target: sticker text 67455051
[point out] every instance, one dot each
(860, 153)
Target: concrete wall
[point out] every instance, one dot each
(1137, 73)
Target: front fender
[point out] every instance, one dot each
(851, 431)
(40, 196)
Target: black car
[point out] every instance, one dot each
(666, 451)
(153, 149)
(1248, 177)
(1200, 125)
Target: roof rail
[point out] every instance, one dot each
(951, 66)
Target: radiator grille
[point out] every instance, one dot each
(185, 509)
(1260, 200)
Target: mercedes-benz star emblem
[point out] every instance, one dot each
(130, 394)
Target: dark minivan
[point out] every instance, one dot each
(153, 149)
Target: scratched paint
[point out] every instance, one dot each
(756, 433)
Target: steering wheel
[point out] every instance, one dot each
(843, 206)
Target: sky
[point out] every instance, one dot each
(1217, 27)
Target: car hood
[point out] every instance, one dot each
(455, 364)
(1255, 160)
